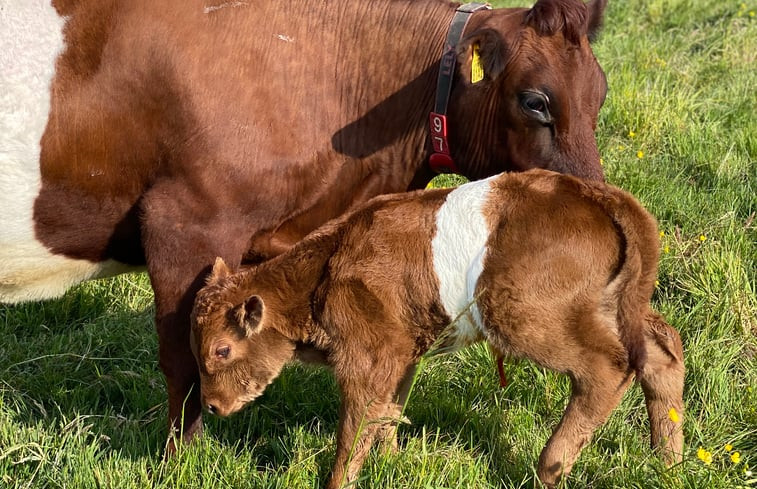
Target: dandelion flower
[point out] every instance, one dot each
(673, 414)
(656, 283)
(702, 238)
(631, 134)
(728, 447)
(640, 154)
(704, 456)
(735, 457)
(662, 234)
(602, 161)
(621, 147)
(666, 249)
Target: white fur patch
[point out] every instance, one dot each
(30, 42)
(459, 249)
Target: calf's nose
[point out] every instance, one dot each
(211, 409)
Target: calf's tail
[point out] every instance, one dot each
(630, 312)
(637, 269)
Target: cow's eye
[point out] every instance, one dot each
(535, 104)
(223, 351)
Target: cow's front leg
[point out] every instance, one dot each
(176, 360)
(180, 245)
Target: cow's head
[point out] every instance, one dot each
(237, 351)
(542, 88)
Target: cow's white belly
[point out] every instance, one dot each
(31, 39)
(459, 249)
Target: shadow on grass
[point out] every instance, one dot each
(91, 354)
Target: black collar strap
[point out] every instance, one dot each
(440, 160)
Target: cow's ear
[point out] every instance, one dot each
(249, 315)
(481, 56)
(596, 9)
(219, 271)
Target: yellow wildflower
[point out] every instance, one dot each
(602, 161)
(621, 147)
(631, 134)
(704, 456)
(751, 13)
(735, 457)
(673, 414)
(640, 154)
(666, 249)
(662, 234)
(728, 447)
(702, 238)
(656, 283)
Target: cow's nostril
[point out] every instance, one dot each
(211, 409)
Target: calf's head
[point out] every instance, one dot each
(237, 350)
(538, 101)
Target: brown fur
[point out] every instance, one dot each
(184, 130)
(566, 282)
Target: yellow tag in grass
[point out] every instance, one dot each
(476, 68)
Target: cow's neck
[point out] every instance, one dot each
(406, 69)
(477, 144)
(440, 159)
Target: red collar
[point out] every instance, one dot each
(440, 159)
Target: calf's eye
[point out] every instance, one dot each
(223, 351)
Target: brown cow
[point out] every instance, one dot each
(165, 133)
(540, 265)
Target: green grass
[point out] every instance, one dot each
(82, 402)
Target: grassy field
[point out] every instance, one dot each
(82, 402)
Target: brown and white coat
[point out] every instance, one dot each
(539, 265)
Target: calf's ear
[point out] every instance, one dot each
(481, 56)
(249, 315)
(219, 271)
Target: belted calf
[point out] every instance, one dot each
(540, 265)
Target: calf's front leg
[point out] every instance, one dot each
(394, 415)
(368, 409)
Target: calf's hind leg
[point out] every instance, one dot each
(662, 383)
(597, 387)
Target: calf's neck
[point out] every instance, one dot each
(540, 265)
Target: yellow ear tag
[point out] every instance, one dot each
(476, 68)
